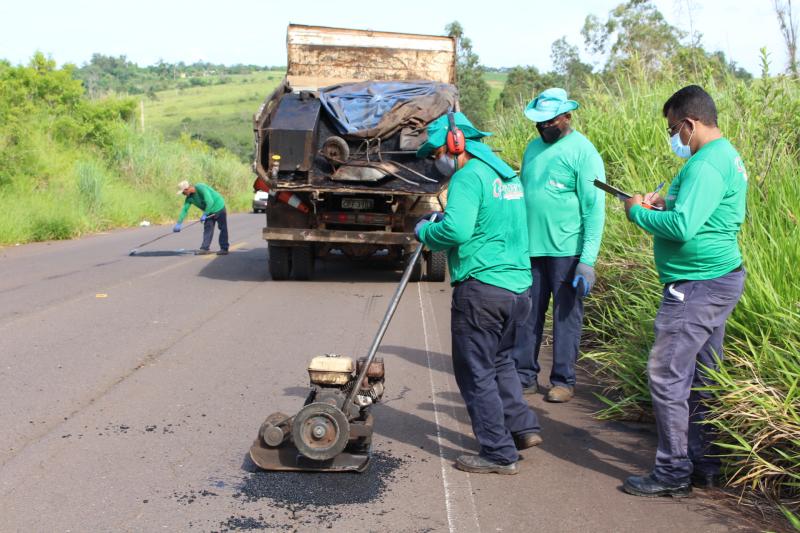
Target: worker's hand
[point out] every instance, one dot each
(203, 217)
(419, 226)
(584, 280)
(177, 227)
(636, 199)
(655, 200)
(438, 216)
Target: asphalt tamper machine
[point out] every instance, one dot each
(333, 430)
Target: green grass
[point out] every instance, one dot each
(496, 81)
(221, 115)
(756, 409)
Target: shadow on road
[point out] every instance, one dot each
(238, 265)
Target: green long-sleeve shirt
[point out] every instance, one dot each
(483, 229)
(566, 212)
(204, 198)
(695, 238)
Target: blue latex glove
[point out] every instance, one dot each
(584, 280)
(419, 226)
(177, 227)
(203, 217)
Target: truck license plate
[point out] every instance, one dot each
(357, 203)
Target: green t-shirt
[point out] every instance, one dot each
(696, 236)
(483, 229)
(566, 212)
(205, 198)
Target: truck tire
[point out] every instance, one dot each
(416, 272)
(436, 263)
(279, 261)
(302, 263)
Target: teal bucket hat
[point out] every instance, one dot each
(437, 136)
(548, 105)
(437, 133)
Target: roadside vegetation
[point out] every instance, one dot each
(70, 165)
(756, 410)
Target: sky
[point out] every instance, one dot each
(504, 33)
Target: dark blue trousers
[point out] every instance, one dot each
(483, 325)
(221, 219)
(689, 326)
(551, 276)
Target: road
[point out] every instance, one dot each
(132, 387)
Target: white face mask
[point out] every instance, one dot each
(681, 150)
(445, 165)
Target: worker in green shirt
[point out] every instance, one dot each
(211, 203)
(566, 213)
(698, 261)
(483, 231)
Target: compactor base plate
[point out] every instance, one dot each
(286, 457)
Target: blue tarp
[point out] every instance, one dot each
(356, 107)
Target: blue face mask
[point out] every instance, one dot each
(445, 165)
(681, 150)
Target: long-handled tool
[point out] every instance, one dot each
(333, 430)
(136, 250)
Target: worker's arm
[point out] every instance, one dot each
(458, 225)
(593, 205)
(184, 211)
(700, 193)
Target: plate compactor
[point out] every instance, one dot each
(333, 430)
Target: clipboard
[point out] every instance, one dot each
(620, 194)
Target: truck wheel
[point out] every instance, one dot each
(416, 272)
(279, 262)
(302, 263)
(437, 265)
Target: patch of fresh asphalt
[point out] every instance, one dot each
(135, 411)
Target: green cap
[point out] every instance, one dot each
(437, 133)
(548, 105)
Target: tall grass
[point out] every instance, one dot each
(79, 191)
(756, 403)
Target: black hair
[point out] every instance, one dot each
(693, 102)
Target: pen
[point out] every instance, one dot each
(659, 187)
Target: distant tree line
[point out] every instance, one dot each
(634, 35)
(104, 75)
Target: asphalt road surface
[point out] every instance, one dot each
(131, 388)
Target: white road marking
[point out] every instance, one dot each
(459, 518)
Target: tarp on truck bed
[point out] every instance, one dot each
(379, 109)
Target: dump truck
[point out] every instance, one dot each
(335, 147)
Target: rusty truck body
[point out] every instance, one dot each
(345, 188)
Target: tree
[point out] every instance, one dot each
(567, 64)
(635, 28)
(522, 85)
(473, 90)
(788, 26)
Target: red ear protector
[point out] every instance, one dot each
(455, 137)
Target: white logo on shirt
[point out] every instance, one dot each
(507, 191)
(740, 167)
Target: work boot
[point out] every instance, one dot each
(527, 440)
(649, 487)
(559, 394)
(222, 252)
(202, 251)
(533, 388)
(701, 480)
(478, 465)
